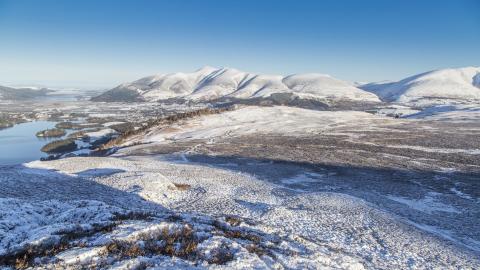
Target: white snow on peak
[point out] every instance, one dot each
(261, 86)
(432, 86)
(205, 70)
(219, 83)
(210, 83)
(325, 86)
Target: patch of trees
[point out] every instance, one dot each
(60, 146)
(168, 120)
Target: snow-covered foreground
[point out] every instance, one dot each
(238, 193)
(54, 228)
(69, 233)
(125, 212)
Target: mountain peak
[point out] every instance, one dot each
(206, 69)
(437, 86)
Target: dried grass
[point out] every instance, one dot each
(233, 221)
(182, 187)
(180, 243)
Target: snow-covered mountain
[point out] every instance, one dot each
(438, 86)
(210, 83)
(9, 93)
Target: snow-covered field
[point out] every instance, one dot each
(258, 187)
(80, 223)
(258, 120)
(234, 220)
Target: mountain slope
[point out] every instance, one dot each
(438, 86)
(210, 83)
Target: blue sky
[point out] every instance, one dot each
(102, 43)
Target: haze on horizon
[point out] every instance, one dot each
(99, 44)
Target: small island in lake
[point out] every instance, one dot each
(49, 133)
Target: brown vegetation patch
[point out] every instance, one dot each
(24, 258)
(242, 235)
(123, 127)
(133, 216)
(180, 243)
(260, 251)
(170, 129)
(256, 245)
(220, 255)
(233, 221)
(181, 187)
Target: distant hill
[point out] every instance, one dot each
(438, 86)
(9, 93)
(210, 83)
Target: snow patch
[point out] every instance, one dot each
(428, 204)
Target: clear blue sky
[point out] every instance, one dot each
(102, 43)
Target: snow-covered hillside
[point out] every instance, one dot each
(252, 120)
(439, 86)
(210, 83)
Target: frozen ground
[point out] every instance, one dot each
(258, 187)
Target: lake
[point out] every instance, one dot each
(19, 144)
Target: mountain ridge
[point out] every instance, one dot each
(210, 83)
(10, 93)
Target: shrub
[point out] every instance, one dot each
(181, 187)
(181, 243)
